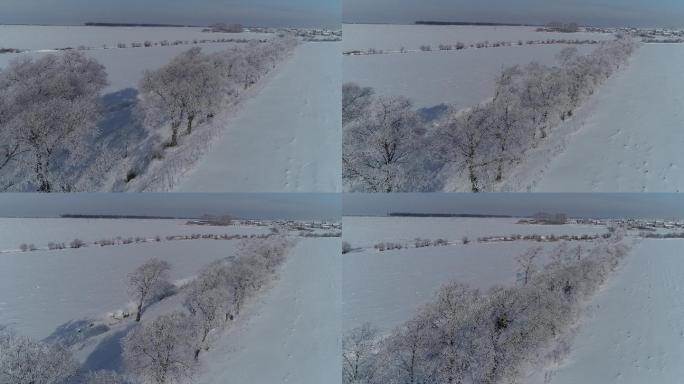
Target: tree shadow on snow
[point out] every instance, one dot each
(108, 354)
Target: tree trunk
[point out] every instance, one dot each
(190, 119)
(139, 314)
(174, 134)
(41, 170)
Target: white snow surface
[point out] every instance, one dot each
(291, 333)
(625, 139)
(393, 37)
(36, 37)
(636, 332)
(286, 138)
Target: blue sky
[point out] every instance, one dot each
(199, 12)
(667, 206)
(256, 205)
(587, 12)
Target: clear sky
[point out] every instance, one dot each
(666, 13)
(666, 206)
(195, 12)
(258, 205)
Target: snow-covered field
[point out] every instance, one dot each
(286, 138)
(635, 333)
(626, 138)
(393, 37)
(41, 290)
(387, 288)
(33, 37)
(462, 78)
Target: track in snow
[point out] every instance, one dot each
(636, 333)
(286, 138)
(632, 138)
(291, 334)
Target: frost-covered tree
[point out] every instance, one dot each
(26, 361)
(161, 351)
(527, 265)
(49, 110)
(357, 356)
(464, 141)
(147, 283)
(207, 307)
(245, 276)
(379, 149)
(355, 101)
(183, 91)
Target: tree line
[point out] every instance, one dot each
(468, 336)
(165, 349)
(388, 147)
(50, 108)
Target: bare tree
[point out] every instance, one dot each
(184, 90)
(377, 152)
(527, 266)
(50, 108)
(355, 100)
(26, 361)
(147, 282)
(161, 351)
(357, 347)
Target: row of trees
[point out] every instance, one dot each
(387, 148)
(165, 349)
(469, 336)
(50, 107)
(190, 88)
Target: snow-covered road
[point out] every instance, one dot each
(636, 332)
(630, 138)
(291, 334)
(287, 137)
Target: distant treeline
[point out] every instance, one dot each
(79, 216)
(470, 23)
(92, 24)
(468, 215)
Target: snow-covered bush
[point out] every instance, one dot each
(346, 247)
(77, 243)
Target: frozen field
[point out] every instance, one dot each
(636, 330)
(368, 231)
(40, 291)
(40, 232)
(291, 333)
(30, 37)
(387, 288)
(463, 78)
(287, 137)
(393, 37)
(629, 133)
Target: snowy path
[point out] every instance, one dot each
(632, 137)
(636, 334)
(291, 335)
(286, 138)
